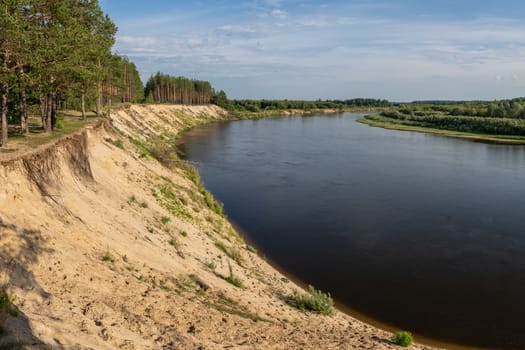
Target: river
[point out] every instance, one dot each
(416, 231)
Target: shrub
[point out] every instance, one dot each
(402, 338)
(59, 124)
(314, 300)
(165, 219)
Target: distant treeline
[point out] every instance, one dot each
(269, 105)
(163, 88)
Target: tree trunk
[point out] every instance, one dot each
(99, 99)
(43, 111)
(109, 105)
(53, 110)
(3, 112)
(49, 104)
(24, 123)
(83, 106)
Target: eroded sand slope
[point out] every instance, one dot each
(105, 248)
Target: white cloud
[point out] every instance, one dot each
(281, 14)
(334, 56)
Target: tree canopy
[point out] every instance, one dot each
(59, 51)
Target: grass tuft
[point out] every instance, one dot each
(107, 257)
(231, 278)
(234, 253)
(211, 265)
(315, 301)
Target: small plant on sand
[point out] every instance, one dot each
(184, 234)
(232, 252)
(107, 256)
(236, 281)
(117, 143)
(164, 219)
(211, 265)
(314, 300)
(143, 205)
(402, 338)
(173, 242)
(132, 199)
(251, 249)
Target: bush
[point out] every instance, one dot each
(314, 300)
(59, 124)
(402, 338)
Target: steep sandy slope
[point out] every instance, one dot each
(105, 248)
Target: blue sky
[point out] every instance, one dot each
(400, 50)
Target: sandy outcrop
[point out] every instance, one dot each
(102, 247)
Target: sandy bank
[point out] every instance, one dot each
(104, 248)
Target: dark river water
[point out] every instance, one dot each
(416, 231)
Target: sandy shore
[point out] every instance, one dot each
(104, 248)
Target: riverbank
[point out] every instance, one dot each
(104, 247)
(392, 124)
(277, 113)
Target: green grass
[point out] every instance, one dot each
(211, 265)
(232, 279)
(117, 143)
(169, 198)
(315, 301)
(143, 205)
(232, 307)
(402, 338)
(192, 174)
(184, 234)
(173, 242)
(165, 219)
(38, 137)
(251, 249)
(232, 252)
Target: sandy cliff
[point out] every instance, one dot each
(104, 248)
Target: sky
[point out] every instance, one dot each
(400, 50)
